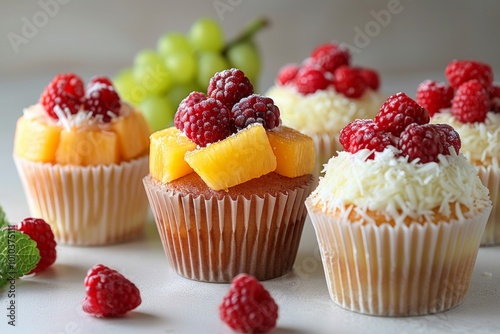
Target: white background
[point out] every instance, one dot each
(101, 37)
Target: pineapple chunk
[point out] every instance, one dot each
(35, 140)
(87, 147)
(166, 155)
(133, 136)
(294, 151)
(234, 160)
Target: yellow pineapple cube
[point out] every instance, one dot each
(166, 154)
(133, 135)
(294, 151)
(235, 159)
(87, 147)
(35, 140)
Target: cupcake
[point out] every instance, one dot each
(228, 182)
(399, 215)
(324, 93)
(81, 155)
(470, 103)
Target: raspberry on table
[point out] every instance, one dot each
(102, 100)
(287, 74)
(42, 234)
(255, 109)
(248, 307)
(399, 111)
(65, 91)
(449, 138)
(471, 102)
(208, 121)
(349, 82)
(330, 56)
(370, 77)
(109, 293)
(434, 96)
(183, 111)
(229, 86)
(364, 134)
(309, 80)
(459, 72)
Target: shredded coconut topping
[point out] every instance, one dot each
(480, 141)
(397, 188)
(324, 111)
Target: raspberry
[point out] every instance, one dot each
(364, 134)
(329, 56)
(399, 111)
(101, 79)
(40, 231)
(434, 96)
(109, 293)
(495, 99)
(102, 100)
(348, 82)
(181, 116)
(207, 122)
(423, 142)
(255, 109)
(229, 86)
(471, 102)
(65, 91)
(248, 307)
(449, 137)
(461, 71)
(309, 80)
(370, 77)
(287, 74)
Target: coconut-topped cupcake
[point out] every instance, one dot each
(470, 103)
(324, 93)
(399, 214)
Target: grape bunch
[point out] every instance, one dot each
(181, 63)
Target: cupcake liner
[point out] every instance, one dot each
(490, 176)
(214, 240)
(92, 205)
(398, 270)
(326, 146)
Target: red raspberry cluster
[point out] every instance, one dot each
(403, 123)
(229, 106)
(329, 64)
(470, 92)
(66, 93)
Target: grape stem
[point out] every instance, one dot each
(247, 34)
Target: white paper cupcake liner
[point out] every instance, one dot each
(401, 270)
(326, 146)
(93, 205)
(214, 240)
(490, 176)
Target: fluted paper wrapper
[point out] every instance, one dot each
(214, 240)
(326, 146)
(490, 176)
(92, 205)
(401, 270)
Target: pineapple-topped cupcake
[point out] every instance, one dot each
(227, 184)
(81, 154)
(322, 94)
(470, 102)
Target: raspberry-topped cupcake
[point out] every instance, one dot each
(470, 102)
(227, 184)
(399, 214)
(81, 154)
(323, 94)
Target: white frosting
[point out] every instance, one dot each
(480, 141)
(397, 188)
(324, 111)
(81, 120)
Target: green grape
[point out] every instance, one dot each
(124, 84)
(173, 42)
(158, 111)
(179, 92)
(245, 57)
(206, 35)
(208, 64)
(182, 65)
(150, 72)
